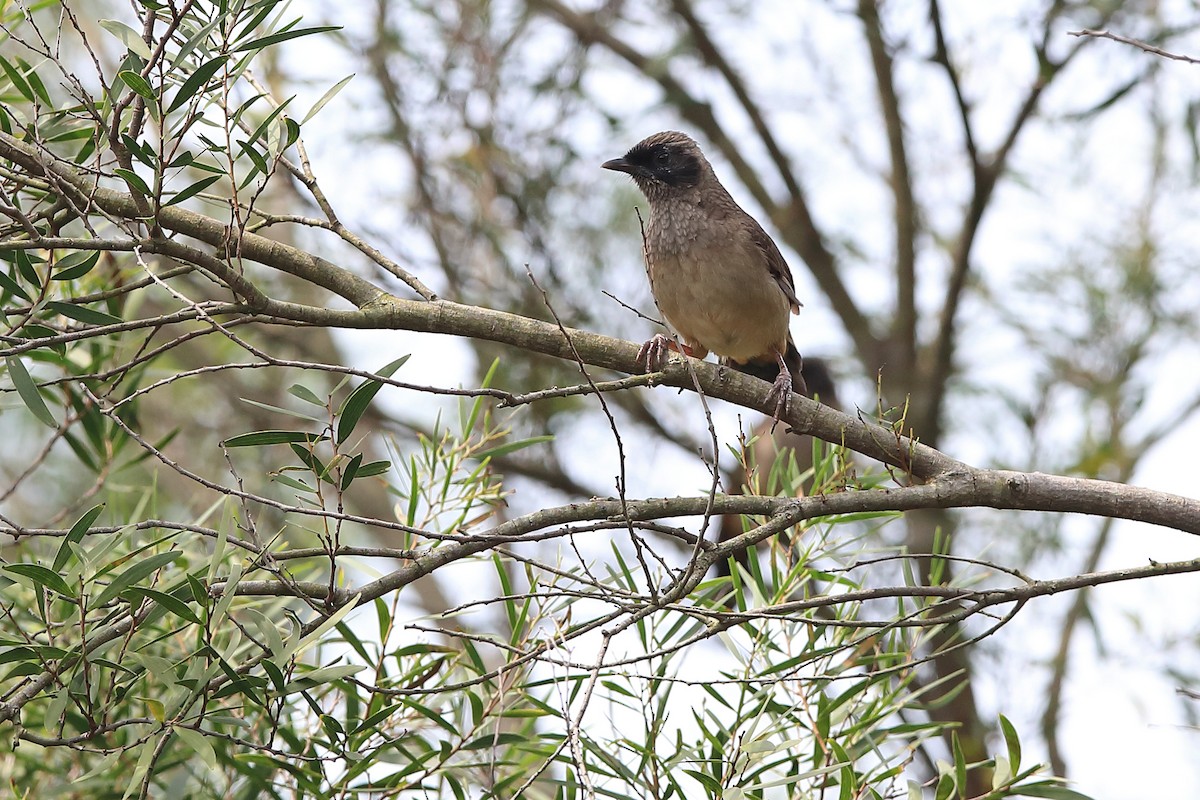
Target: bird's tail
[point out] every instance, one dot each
(767, 369)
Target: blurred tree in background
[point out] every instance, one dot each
(206, 483)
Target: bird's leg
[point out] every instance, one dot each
(653, 354)
(781, 389)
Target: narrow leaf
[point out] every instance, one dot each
(18, 82)
(75, 265)
(75, 535)
(133, 180)
(305, 394)
(139, 570)
(128, 36)
(195, 82)
(10, 285)
(281, 410)
(510, 447)
(41, 576)
(323, 675)
(35, 83)
(167, 601)
(199, 743)
(137, 83)
(1052, 791)
(315, 636)
(260, 438)
(1012, 743)
(372, 468)
(28, 391)
(351, 472)
(358, 401)
(88, 316)
(325, 98)
(283, 36)
(193, 190)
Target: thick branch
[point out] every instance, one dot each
(999, 489)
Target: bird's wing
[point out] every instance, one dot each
(775, 263)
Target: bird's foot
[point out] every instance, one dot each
(654, 354)
(781, 391)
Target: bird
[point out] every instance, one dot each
(718, 278)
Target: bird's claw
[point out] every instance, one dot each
(653, 355)
(781, 391)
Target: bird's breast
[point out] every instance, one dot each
(712, 284)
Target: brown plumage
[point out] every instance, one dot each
(718, 278)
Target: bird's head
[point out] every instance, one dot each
(662, 163)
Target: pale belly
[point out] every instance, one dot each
(734, 310)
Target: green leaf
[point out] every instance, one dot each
(139, 570)
(199, 743)
(299, 486)
(167, 601)
(263, 126)
(305, 394)
(137, 83)
(142, 151)
(11, 654)
(501, 738)
(325, 98)
(196, 38)
(350, 472)
(18, 82)
(358, 401)
(260, 163)
(293, 132)
(41, 576)
(260, 438)
(268, 629)
(133, 180)
(75, 535)
(322, 675)
(193, 190)
(1012, 743)
(283, 36)
(1002, 774)
(88, 316)
(1053, 791)
(75, 265)
(35, 83)
(10, 285)
(509, 447)
(945, 787)
(128, 36)
(960, 761)
(195, 82)
(314, 637)
(373, 468)
(281, 410)
(309, 460)
(24, 261)
(28, 391)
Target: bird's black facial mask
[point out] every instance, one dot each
(665, 163)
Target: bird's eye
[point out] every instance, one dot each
(662, 158)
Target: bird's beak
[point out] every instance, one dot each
(619, 165)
